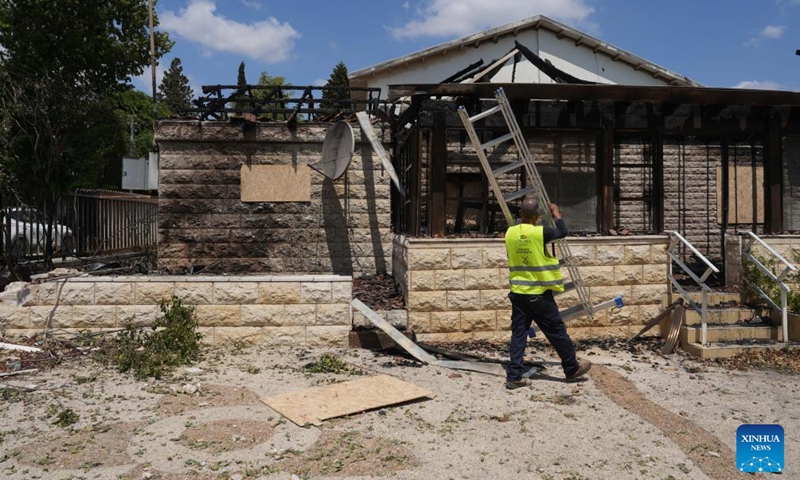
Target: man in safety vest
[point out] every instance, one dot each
(534, 274)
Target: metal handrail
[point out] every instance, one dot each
(788, 267)
(676, 239)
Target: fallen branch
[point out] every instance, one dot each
(19, 372)
(24, 348)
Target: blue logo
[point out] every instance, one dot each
(759, 448)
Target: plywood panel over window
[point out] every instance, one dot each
(276, 183)
(741, 197)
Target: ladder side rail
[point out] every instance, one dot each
(487, 169)
(533, 175)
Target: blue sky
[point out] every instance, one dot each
(719, 43)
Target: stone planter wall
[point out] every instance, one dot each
(786, 245)
(287, 310)
(457, 289)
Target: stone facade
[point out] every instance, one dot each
(345, 229)
(457, 289)
(281, 310)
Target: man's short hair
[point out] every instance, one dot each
(530, 208)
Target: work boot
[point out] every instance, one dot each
(522, 382)
(583, 367)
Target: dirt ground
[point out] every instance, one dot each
(639, 415)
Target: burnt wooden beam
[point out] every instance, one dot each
(773, 177)
(657, 148)
(438, 173)
(628, 93)
(456, 77)
(555, 73)
(605, 179)
(725, 146)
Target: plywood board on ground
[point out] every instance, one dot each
(330, 401)
(276, 183)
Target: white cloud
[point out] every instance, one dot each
(267, 40)
(462, 17)
(769, 32)
(320, 82)
(773, 31)
(251, 4)
(760, 85)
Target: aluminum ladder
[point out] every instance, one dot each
(536, 187)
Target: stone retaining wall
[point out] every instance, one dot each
(457, 289)
(287, 310)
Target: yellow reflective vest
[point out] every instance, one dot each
(531, 270)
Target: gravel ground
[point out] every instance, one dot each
(639, 415)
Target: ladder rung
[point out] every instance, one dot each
(485, 114)
(497, 141)
(507, 168)
(518, 194)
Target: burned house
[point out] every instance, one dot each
(630, 151)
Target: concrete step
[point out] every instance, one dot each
(726, 316)
(714, 298)
(731, 349)
(728, 333)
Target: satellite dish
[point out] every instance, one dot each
(337, 150)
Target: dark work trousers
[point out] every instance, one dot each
(543, 310)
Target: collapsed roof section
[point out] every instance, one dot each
(564, 44)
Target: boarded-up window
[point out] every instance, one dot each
(276, 183)
(744, 195)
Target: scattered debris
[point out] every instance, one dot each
(784, 360)
(379, 292)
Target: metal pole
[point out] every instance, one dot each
(153, 70)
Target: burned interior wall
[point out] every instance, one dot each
(205, 226)
(791, 184)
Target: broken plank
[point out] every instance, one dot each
(366, 126)
(314, 405)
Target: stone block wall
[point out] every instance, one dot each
(690, 194)
(282, 310)
(457, 289)
(345, 229)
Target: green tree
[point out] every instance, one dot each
(60, 61)
(174, 91)
(337, 92)
(272, 96)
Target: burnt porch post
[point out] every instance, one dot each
(773, 177)
(605, 177)
(438, 173)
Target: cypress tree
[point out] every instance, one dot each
(174, 91)
(337, 94)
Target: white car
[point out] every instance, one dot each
(27, 230)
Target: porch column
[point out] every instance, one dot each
(773, 177)
(657, 147)
(605, 179)
(438, 175)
